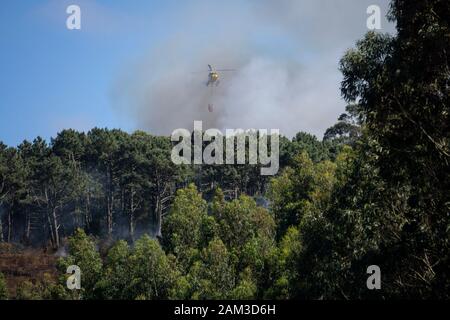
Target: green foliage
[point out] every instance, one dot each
(347, 130)
(248, 232)
(240, 220)
(45, 289)
(3, 288)
(376, 190)
(83, 253)
(116, 278)
(401, 84)
(212, 276)
(151, 272)
(389, 205)
(246, 288)
(304, 142)
(183, 228)
(27, 291)
(283, 266)
(300, 189)
(239, 235)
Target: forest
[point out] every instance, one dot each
(374, 191)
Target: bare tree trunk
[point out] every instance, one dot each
(1, 210)
(50, 226)
(55, 227)
(1, 227)
(87, 210)
(76, 216)
(44, 226)
(122, 201)
(158, 217)
(131, 226)
(28, 227)
(49, 219)
(110, 205)
(109, 217)
(132, 210)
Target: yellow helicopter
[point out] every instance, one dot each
(213, 76)
(213, 81)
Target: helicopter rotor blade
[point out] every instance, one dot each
(226, 70)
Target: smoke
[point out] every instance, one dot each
(62, 251)
(286, 54)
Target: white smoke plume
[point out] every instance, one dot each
(286, 54)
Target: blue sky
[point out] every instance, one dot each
(53, 78)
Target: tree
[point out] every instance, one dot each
(163, 176)
(133, 181)
(240, 220)
(3, 191)
(246, 288)
(12, 188)
(388, 204)
(348, 128)
(183, 227)
(44, 289)
(300, 189)
(401, 84)
(303, 142)
(70, 147)
(101, 156)
(82, 253)
(47, 187)
(248, 231)
(283, 270)
(57, 189)
(212, 276)
(116, 279)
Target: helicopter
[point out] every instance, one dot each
(213, 76)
